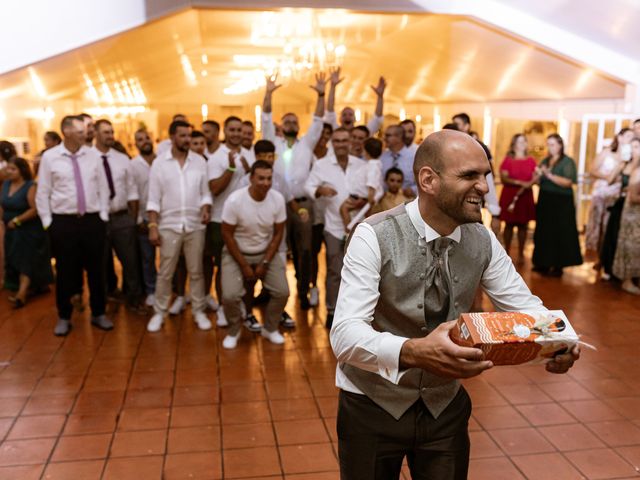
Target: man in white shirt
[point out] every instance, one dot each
(348, 114)
(225, 169)
(123, 215)
(295, 157)
(399, 156)
(248, 134)
(409, 127)
(359, 135)
(463, 122)
(328, 183)
(73, 203)
(165, 145)
(90, 129)
(408, 274)
(253, 226)
(141, 166)
(179, 208)
(211, 131)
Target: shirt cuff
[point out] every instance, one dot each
(153, 206)
(104, 215)
(46, 221)
(206, 200)
(389, 357)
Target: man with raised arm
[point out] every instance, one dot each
(348, 114)
(294, 161)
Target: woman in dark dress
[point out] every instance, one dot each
(556, 235)
(619, 176)
(28, 265)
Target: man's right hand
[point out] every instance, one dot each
(232, 160)
(154, 237)
(334, 76)
(271, 84)
(248, 272)
(436, 353)
(325, 191)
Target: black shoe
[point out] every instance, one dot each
(555, 272)
(329, 321)
(251, 323)
(286, 321)
(262, 298)
(304, 303)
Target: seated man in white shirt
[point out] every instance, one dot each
(408, 274)
(179, 208)
(253, 223)
(123, 216)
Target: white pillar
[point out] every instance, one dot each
(632, 98)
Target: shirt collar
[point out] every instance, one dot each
(423, 229)
(63, 150)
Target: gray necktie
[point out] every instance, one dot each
(436, 297)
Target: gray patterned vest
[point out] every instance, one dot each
(401, 310)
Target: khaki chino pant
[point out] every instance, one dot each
(172, 245)
(233, 289)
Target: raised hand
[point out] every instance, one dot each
(380, 87)
(334, 76)
(321, 82)
(271, 84)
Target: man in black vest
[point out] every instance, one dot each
(408, 274)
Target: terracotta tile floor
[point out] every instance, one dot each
(174, 405)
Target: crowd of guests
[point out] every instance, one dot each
(225, 214)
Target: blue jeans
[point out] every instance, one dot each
(148, 257)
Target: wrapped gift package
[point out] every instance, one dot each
(514, 338)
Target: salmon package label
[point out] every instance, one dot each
(514, 338)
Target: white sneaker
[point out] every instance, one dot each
(177, 306)
(230, 341)
(274, 337)
(155, 324)
(222, 320)
(314, 297)
(211, 303)
(202, 321)
(150, 301)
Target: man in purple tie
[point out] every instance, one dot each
(73, 203)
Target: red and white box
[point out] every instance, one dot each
(515, 338)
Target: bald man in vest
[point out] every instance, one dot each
(408, 275)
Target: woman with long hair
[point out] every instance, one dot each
(517, 207)
(626, 264)
(556, 235)
(620, 177)
(604, 195)
(28, 266)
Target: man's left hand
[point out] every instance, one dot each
(205, 216)
(261, 271)
(563, 362)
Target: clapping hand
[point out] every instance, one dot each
(379, 89)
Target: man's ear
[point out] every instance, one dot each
(427, 180)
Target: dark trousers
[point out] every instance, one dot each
(299, 234)
(148, 263)
(122, 238)
(78, 243)
(372, 444)
(317, 237)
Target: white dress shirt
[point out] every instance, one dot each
(56, 191)
(140, 169)
(163, 147)
(404, 162)
(413, 149)
(327, 172)
(293, 163)
(124, 183)
(178, 194)
(217, 164)
(355, 341)
(373, 125)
